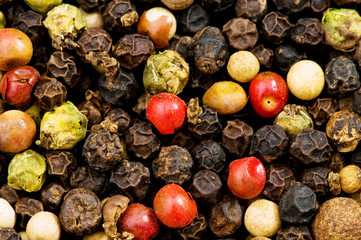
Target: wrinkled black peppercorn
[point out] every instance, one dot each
(291, 6)
(195, 229)
(50, 93)
(9, 194)
(52, 195)
(30, 23)
(119, 15)
(276, 27)
(286, 55)
(241, 33)
(60, 164)
(264, 55)
(251, 9)
(9, 234)
(209, 155)
(209, 125)
(91, 5)
(206, 187)
(192, 19)
(181, 44)
(236, 137)
(25, 208)
(85, 177)
(293, 232)
(217, 6)
(316, 179)
(322, 109)
(308, 31)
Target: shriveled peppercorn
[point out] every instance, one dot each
(316, 179)
(251, 9)
(180, 44)
(322, 109)
(9, 194)
(91, 112)
(184, 138)
(25, 208)
(9, 234)
(319, 5)
(209, 155)
(41, 55)
(291, 6)
(269, 143)
(60, 164)
(195, 229)
(264, 55)
(226, 216)
(131, 179)
(50, 93)
(141, 141)
(30, 23)
(286, 55)
(236, 137)
(217, 6)
(291, 211)
(85, 177)
(93, 40)
(52, 195)
(174, 164)
(199, 80)
(117, 121)
(310, 147)
(119, 15)
(91, 5)
(206, 187)
(299, 232)
(308, 31)
(210, 50)
(208, 126)
(278, 178)
(342, 77)
(192, 19)
(241, 33)
(276, 27)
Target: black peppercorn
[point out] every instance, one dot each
(85, 177)
(180, 44)
(119, 15)
(291, 6)
(116, 121)
(199, 80)
(294, 232)
(9, 194)
(264, 55)
(269, 143)
(276, 27)
(208, 126)
(308, 31)
(297, 204)
(310, 147)
(91, 112)
(131, 179)
(320, 5)
(210, 50)
(91, 5)
(316, 179)
(50, 93)
(217, 6)
(60, 164)
(52, 195)
(30, 23)
(192, 19)
(342, 77)
(209, 155)
(25, 208)
(183, 138)
(9, 234)
(206, 187)
(241, 33)
(41, 55)
(322, 108)
(195, 229)
(278, 178)
(286, 55)
(251, 9)
(81, 213)
(236, 137)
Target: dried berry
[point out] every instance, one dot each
(52, 195)
(80, 213)
(85, 177)
(316, 179)
(9, 194)
(308, 31)
(241, 33)
(343, 128)
(279, 178)
(180, 44)
(141, 141)
(350, 178)
(293, 232)
(91, 112)
(30, 23)
(217, 6)
(60, 164)
(93, 40)
(310, 147)
(269, 143)
(117, 121)
(209, 155)
(291, 6)
(192, 19)
(208, 126)
(287, 55)
(9, 234)
(321, 109)
(297, 204)
(25, 208)
(119, 15)
(251, 9)
(132, 50)
(276, 27)
(320, 5)
(210, 50)
(206, 187)
(50, 93)
(236, 137)
(183, 138)
(195, 229)
(226, 216)
(131, 179)
(264, 55)
(91, 5)
(342, 77)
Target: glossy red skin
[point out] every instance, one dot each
(17, 85)
(139, 220)
(174, 207)
(167, 112)
(268, 93)
(246, 177)
(16, 49)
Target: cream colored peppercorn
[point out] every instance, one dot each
(350, 178)
(7, 214)
(243, 66)
(262, 218)
(43, 226)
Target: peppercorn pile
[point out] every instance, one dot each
(180, 119)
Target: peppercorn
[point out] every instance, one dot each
(291, 211)
(91, 112)
(25, 208)
(241, 33)
(319, 5)
(131, 179)
(41, 55)
(251, 9)
(291, 6)
(316, 179)
(183, 138)
(236, 137)
(50, 93)
(321, 109)
(91, 5)
(9, 234)
(269, 143)
(52, 195)
(210, 50)
(119, 15)
(209, 155)
(9, 194)
(195, 229)
(208, 125)
(217, 6)
(93, 40)
(278, 178)
(30, 23)
(308, 31)
(173, 165)
(85, 177)
(200, 81)
(192, 19)
(287, 55)
(334, 183)
(293, 232)
(264, 55)
(276, 27)
(60, 164)
(226, 216)
(350, 178)
(180, 44)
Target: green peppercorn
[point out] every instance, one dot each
(27, 171)
(62, 128)
(42, 6)
(2, 20)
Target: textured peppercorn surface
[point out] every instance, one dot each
(236, 137)
(209, 125)
(316, 179)
(299, 232)
(209, 155)
(322, 108)
(195, 229)
(276, 27)
(50, 93)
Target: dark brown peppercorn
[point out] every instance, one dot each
(141, 141)
(236, 137)
(173, 165)
(102, 150)
(180, 44)
(119, 15)
(91, 112)
(210, 50)
(9, 194)
(63, 67)
(60, 164)
(278, 178)
(264, 55)
(320, 5)
(321, 109)
(310, 147)
(25, 208)
(80, 213)
(183, 138)
(217, 6)
(209, 155)
(226, 216)
(342, 77)
(308, 31)
(133, 50)
(50, 93)
(30, 23)
(276, 27)
(291, 6)
(199, 80)
(41, 55)
(85, 177)
(117, 121)
(9, 234)
(52, 195)
(294, 232)
(205, 187)
(192, 19)
(195, 229)
(93, 40)
(241, 33)
(286, 55)
(269, 143)
(131, 179)
(316, 179)
(209, 125)
(251, 9)
(91, 5)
